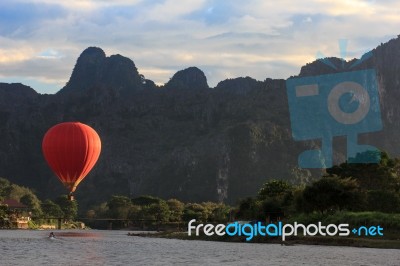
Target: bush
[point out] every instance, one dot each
(32, 225)
(385, 220)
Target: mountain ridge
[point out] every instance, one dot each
(183, 139)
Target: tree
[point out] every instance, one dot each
(271, 210)
(3, 210)
(4, 183)
(220, 213)
(69, 207)
(250, 209)
(383, 201)
(91, 214)
(194, 211)
(159, 211)
(176, 210)
(33, 203)
(98, 211)
(276, 196)
(51, 209)
(274, 188)
(383, 175)
(145, 200)
(135, 212)
(119, 206)
(21, 194)
(331, 193)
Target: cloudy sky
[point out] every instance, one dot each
(40, 40)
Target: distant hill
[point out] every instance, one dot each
(184, 139)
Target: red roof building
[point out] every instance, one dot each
(13, 204)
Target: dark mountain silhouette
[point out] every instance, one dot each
(189, 78)
(93, 68)
(182, 140)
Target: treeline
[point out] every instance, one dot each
(347, 187)
(148, 208)
(61, 207)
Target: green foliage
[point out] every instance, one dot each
(176, 210)
(146, 208)
(220, 213)
(272, 201)
(274, 188)
(388, 221)
(32, 225)
(351, 187)
(271, 209)
(383, 201)
(157, 211)
(21, 194)
(379, 184)
(249, 209)
(150, 208)
(194, 211)
(33, 203)
(331, 193)
(98, 211)
(68, 207)
(119, 207)
(51, 209)
(135, 212)
(4, 184)
(3, 210)
(145, 200)
(385, 220)
(384, 175)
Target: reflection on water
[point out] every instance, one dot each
(20, 247)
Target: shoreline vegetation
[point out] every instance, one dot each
(366, 197)
(390, 222)
(386, 242)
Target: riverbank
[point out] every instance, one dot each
(389, 242)
(114, 247)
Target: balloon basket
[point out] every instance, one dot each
(71, 197)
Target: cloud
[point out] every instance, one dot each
(82, 5)
(41, 39)
(50, 54)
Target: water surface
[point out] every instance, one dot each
(24, 247)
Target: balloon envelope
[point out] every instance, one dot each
(71, 149)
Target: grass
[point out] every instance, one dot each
(385, 220)
(32, 225)
(298, 240)
(389, 222)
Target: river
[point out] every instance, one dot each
(25, 247)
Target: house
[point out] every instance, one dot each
(14, 205)
(15, 210)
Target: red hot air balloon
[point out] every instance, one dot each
(71, 149)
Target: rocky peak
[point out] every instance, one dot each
(239, 86)
(92, 53)
(325, 66)
(87, 69)
(15, 93)
(189, 78)
(121, 73)
(93, 69)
